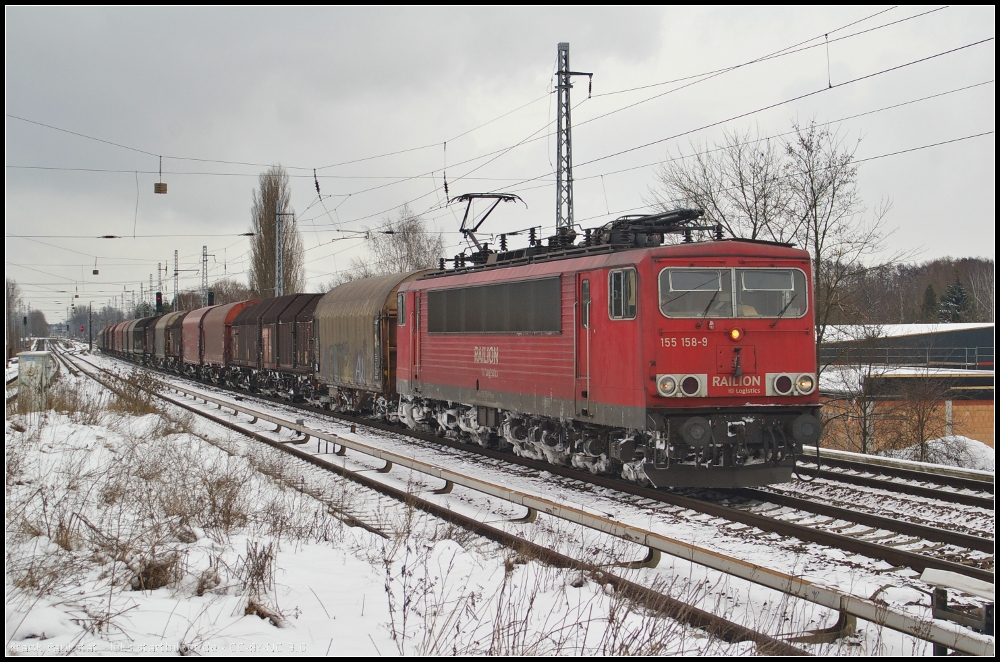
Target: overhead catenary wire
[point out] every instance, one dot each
(765, 108)
(495, 152)
(431, 176)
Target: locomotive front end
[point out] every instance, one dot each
(732, 386)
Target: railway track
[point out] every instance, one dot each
(876, 537)
(854, 473)
(884, 551)
(654, 600)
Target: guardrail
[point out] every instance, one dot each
(938, 632)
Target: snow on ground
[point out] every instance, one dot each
(745, 603)
(848, 332)
(127, 532)
(955, 451)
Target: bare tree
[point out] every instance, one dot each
(38, 326)
(13, 305)
(803, 189)
(189, 300)
(740, 185)
(853, 411)
(919, 417)
(981, 277)
(396, 245)
(229, 290)
(274, 190)
(829, 216)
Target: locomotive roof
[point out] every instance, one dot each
(597, 256)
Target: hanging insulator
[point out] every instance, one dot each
(532, 237)
(586, 237)
(441, 264)
(503, 242)
(687, 237)
(718, 232)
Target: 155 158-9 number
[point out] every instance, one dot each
(684, 342)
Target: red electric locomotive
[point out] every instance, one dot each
(691, 364)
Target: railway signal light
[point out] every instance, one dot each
(159, 302)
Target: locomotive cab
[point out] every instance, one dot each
(729, 349)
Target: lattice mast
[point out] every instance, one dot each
(176, 279)
(204, 275)
(564, 143)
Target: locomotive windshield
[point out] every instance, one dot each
(771, 293)
(709, 293)
(696, 292)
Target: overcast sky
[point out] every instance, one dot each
(223, 93)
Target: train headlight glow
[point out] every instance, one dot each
(805, 384)
(735, 334)
(666, 385)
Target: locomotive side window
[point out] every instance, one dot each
(771, 293)
(533, 306)
(622, 294)
(401, 309)
(585, 298)
(696, 293)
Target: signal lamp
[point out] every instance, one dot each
(735, 334)
(666, 385)
(783, 384)
(805, 383)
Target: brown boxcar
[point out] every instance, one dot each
(244, 334)
(120, 335)
(193, 340)
(295, 334)
(269, 345)
(139, 334)
(115, 338)
(216, 332)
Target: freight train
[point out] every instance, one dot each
(688, 364)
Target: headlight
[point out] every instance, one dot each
(666, 385)
(690, 385)
(783, 384)
(805, 384)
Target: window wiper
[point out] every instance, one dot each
(790, 301)
(705, 314)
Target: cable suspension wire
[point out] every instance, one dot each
(703, 76)
(531, 138)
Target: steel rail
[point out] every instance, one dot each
(976, 479)
(658, 603)
(940, 632)
(909, 474)
(905, 488)
(978, 543)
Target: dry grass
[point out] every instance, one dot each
(136, 394)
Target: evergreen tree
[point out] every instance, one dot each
(930, 307)
(955, 303)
